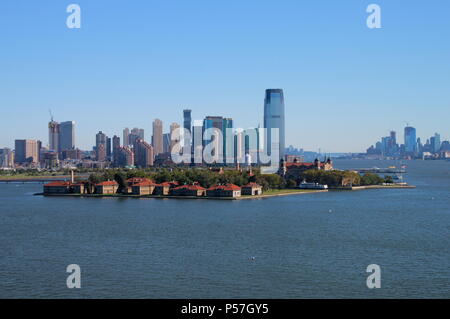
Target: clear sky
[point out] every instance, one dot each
(345, 85)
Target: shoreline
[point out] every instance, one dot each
(244, 197)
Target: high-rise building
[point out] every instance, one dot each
(66, 135)
(108, 148)
(115, 146)
(126, 137)
(274, 119)
(436, 143)
(166, 143)
(173, 140)
(157, 138)
(124, 157)
(410, 141)
(100, 146)
(228, 149)
(216, 144)
(187, 125)
(26, 151)
(143, 154)
(6, 158)
(53, 136)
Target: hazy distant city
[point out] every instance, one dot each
(133, 148)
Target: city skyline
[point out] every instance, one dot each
(338, 75)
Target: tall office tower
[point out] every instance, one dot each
(214, 122)
(274, 118)
(139, 132)
(53, 136)
(126, 137)
(100, 151)
(197, 142)
(6, 158)
(143, 154)
(228, 149)
(166, 143)
(124, 157)
(66, 136)
(100, 146)
(173, 139)
(115, 146)
(410, 141)
(187, 124)
(436, 146)
(108, 148)
(157, 138)
(26, 151)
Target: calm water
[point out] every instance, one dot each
(150, 248)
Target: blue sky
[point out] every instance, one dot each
(133, 61)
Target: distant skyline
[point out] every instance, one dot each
(130, 63)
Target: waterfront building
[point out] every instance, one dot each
(108, 187)
(252, 189)
(143, 188)
(57, 187)
(26, 152)
(157, 138)
(227, 190)
(163, 189)
(143, 154)
(274, 119)
(189, 190)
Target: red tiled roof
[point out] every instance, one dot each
(57, 184)
(145, 183)
(165, 184)
(226, 187)
(107, 183)
(190, 187)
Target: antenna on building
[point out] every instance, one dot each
(51, 115)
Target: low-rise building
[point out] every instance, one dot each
(143, 188)
(108, 187)
(57, 187)
(189, 190)
(251, 189)
(227, 190)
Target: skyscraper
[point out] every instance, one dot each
(115, 147)
(436, 146)
(187, 125)
(100, 146)
(66, 135)
(53, 136)
(410, 141)
(26, 151)
(228, 149)
(274, 119)
(126, 137)
(143, 154)
(157, 139)
(173, 140)
(214, 122)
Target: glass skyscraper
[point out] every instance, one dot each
(66, 135)
(410, 140)
(274, 118)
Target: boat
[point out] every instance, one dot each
(305, 185)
